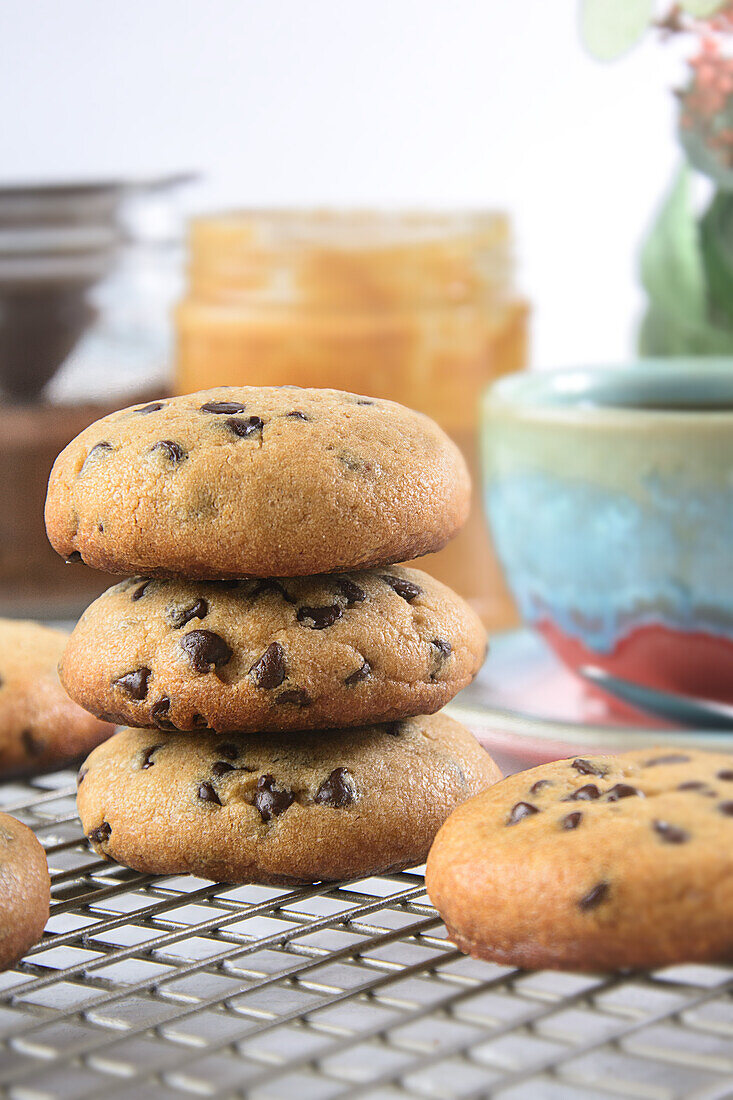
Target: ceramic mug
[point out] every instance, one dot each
(609, 493)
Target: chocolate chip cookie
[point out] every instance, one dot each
(293, 653)
(601, 863)
(279, 808)
(256, 481)
(25, 890)
(40, 727)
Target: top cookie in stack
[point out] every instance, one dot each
(263, 526)
(256, 482)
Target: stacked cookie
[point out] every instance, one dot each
(282, 672)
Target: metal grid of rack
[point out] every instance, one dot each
(174, 987)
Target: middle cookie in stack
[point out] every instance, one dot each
(318, 768)
(286, 654)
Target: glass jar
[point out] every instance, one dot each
(418, 308)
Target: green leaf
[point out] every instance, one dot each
(611, 27)
(716, 239)
(702, 9)
(671, 264)
(704, 157)
(688, 273)
(664, 335)
(655, 340)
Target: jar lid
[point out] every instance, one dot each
(351, 259)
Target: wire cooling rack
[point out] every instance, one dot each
(161, 988)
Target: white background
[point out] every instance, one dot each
(488, 102)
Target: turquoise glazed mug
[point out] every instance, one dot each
(609, 493)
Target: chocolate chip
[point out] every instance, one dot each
(584, 794)
(80, 775)
(362, 673)
(32, 745)
(594, 897)
(726, 774)
(205, 650)
(320, 617)
(207, 794)
(221, 768)
(269, 670)
(670, 758)
(441, 651)
(352, 462)
(98, 450)
(230, 751)
(268, 584)
(139, 591)
(174, 452)
(153, 407)
(692, 785)
(539, 785)
(147, 760)
(393, 729)
(298, 697)
(243, 429)
(270, 801)
(670, 834)
(101, 833)
(134, 684)
(100, 528)
(158, 713)
(726, 808)
(227, 407)
(178, 616)
(114, 719)
(521, 810)
(622, 790)
(296, 414)
(350, 591)
(588, 767)
(402, 587)
(338, 790)
(73, 557)
(571, 821)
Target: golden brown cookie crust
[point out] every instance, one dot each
(256, 481)
(281, 808)
(25, 890)
(597, 863)
(40, 726)
(292, 653)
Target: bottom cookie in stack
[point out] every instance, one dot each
(280, 808)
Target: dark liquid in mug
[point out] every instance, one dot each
(662, 390)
